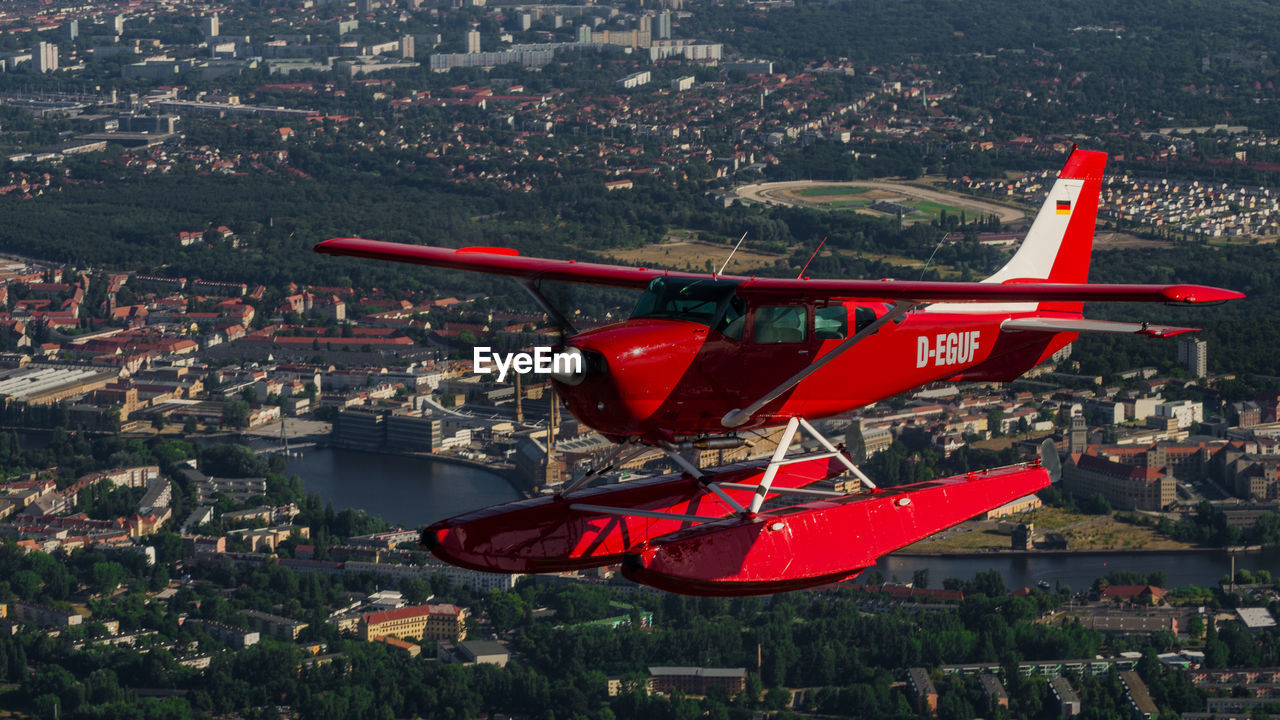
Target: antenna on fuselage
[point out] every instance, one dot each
(929, 262)
(811, 257)
(731, 252)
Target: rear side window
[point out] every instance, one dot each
(779, 324)
(831, 322)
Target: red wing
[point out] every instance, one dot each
(1013, 292)
(496, 261)
(503, 261)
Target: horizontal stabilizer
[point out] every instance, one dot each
(1043, 324)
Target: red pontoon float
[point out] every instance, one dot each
(596, 526)
(824, 541)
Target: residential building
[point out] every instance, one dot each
(1185, 412)
(994, 691)
(44, 616)
(1135, 594)
(274, 625)
(411, 649)
(696, 680)
(473, 652)
(1139, 696)
(635, 80)
(1256, 618)
(46, 57)
(1126, 486)
(1131, 623)
(923, 694)
(1193, 354)
(1068, 701)
(1245, 414)
(238, 638)
(420, 622)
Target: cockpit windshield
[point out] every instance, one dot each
(701, 300)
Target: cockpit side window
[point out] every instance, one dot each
(779, 324)
(701, 300)
(734, 319)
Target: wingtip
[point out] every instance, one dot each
(1201, 294)
(335, 246)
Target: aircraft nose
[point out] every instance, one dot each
(628, 371)
(577, 365)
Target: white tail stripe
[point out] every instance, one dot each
(1034, 258)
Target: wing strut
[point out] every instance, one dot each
(780, 458)
(736, 418)
(534, 287)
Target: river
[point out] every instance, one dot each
(413, 492)
(406, 491)
(1078, 571)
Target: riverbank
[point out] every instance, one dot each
(400, 488)
(506, 470)
(1060, 553)
(1204, 567)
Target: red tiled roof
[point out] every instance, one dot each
(1128, 591)
(412, 611)
(1115, 469)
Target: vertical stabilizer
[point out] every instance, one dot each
(1058, 245)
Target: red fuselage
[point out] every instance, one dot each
(660, 379)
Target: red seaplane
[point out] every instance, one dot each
(711, 360)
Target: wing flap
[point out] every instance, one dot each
(1042, 324)
(501, 261)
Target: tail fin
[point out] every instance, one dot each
(1058, 245)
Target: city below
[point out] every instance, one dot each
(218, 448)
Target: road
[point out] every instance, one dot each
(771, 193)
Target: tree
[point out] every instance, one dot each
(752, 689)
(1216, 653)
(107, 577)
(230, 460)
(1195, 626)
(920, 578)
(235, 413)
(995, 421)
(415, 590)
(855, 444)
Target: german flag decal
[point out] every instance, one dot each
(1064, 207)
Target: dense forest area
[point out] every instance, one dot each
(824, 642)
(1130, 58)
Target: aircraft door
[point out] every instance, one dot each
(780, 341)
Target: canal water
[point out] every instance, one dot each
(413, 492)
(404, 491)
